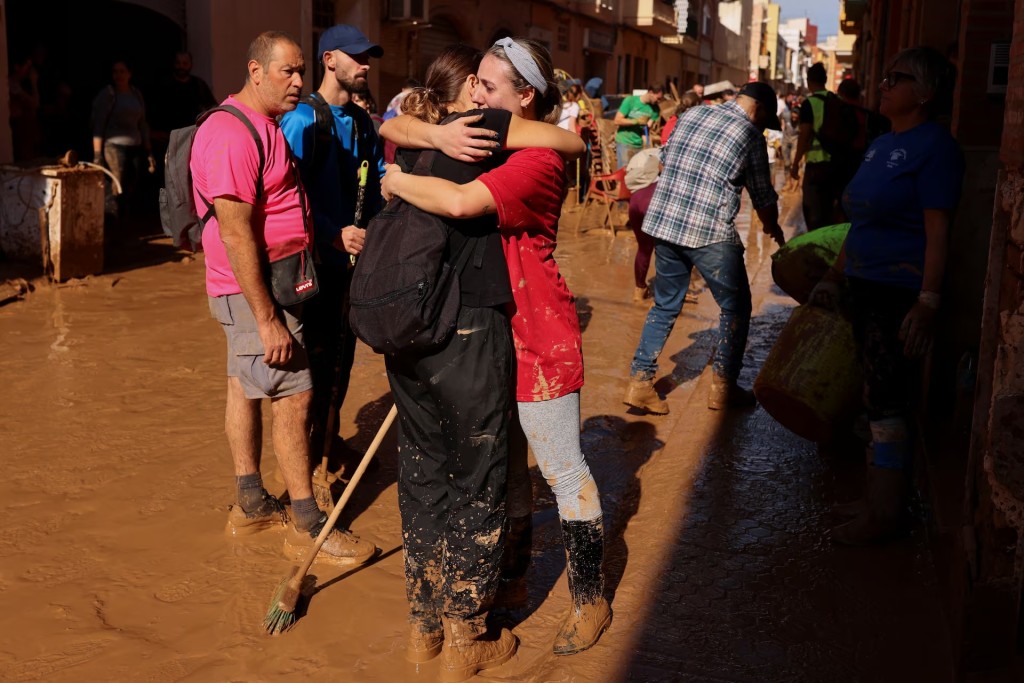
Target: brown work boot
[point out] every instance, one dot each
(641, 394)
(726, 393)
(424, 644)
(468, 649)
(342, 547)
(641, 294)
(582, 627)
(269, 514)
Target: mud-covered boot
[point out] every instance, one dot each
(641, 394)
(515, 560)
(470, 648)
(590, 613)
(726, 393)
(884, 516)
(424, 643)
(423, 590)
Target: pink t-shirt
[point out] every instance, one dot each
(528, 190)
(225, 163)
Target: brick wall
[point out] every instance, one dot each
(978, 117)
(1012, 152)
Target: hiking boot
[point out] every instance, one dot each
(469, 648)
(582, 627)
(269, 514)
(726, 393)
(641, 394)
(423, 645)
(342, 547)
(641, 294)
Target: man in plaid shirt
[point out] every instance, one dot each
(713, 153)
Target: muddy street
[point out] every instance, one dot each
(114, 562)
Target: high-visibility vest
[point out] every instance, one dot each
(816, 154)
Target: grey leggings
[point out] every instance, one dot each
(553, 431)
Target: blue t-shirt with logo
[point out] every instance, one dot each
(901, 175)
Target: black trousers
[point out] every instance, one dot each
(821, 194)
(331, 348)
(453, 409)
(890, 378)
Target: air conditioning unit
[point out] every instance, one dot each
(998, 68)
(408, 10)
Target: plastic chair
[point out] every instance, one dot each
(607, 190)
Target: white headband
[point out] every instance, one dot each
(524, 63)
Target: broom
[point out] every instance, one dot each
(281, 614)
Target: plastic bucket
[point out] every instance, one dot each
(801, 262)
(812, 382)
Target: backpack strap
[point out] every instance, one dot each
(234, 111)
(323, 130)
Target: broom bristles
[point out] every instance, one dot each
(281, 614)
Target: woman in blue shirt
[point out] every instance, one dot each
(900, 204)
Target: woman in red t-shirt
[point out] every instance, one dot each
(526, 192)
(452, 480)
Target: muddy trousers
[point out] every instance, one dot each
(453, 408)
(331, 348)
(878, 311)
(723, 269)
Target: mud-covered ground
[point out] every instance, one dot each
(114, 564)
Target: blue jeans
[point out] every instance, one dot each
(623, 153)
(722, 267)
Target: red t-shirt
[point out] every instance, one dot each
(528, 190)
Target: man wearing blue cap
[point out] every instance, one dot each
(330, 136)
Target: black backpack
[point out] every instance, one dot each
(840, 127)
(178, 216)
(405, 291)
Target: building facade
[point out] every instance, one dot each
(975, 387)
(628, 44)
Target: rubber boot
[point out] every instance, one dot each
(469, 648)
(641, 394)
(512, 593)
(726, 393)
(884, 515)
(590, 613)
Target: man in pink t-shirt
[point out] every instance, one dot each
(266, 358)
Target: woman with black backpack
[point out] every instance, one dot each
(526, 193)
(453, 398)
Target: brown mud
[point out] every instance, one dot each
(114, 564)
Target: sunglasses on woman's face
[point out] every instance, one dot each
(890, 79)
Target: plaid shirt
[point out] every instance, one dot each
(713, 153)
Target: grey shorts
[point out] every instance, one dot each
(245, 351)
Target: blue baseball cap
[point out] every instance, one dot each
(349, 40)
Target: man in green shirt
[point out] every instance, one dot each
(632, 118)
